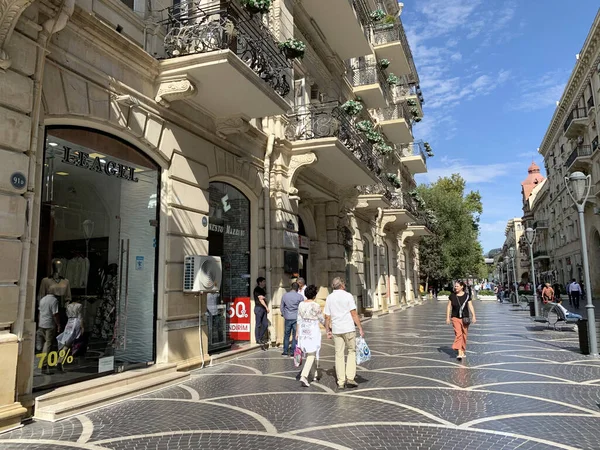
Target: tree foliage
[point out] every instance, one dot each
(454, 250)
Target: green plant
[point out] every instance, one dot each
(384, 63)
(486, 292)
(293, 48)
(427, 146)
(444, 293)
(374, 137)
(364, 126)
(352, 107)
(417, 119)
(411, 102)
(384, 149)
(389, 19)
(394, 180)
(256, 6)
(377, 15)
(393, 80)
(414, 112)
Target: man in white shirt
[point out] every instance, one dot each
(301, 286)
(575, 291)
(340, 321)
(568, 315)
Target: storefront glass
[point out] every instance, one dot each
(229, 237)
(97, 258)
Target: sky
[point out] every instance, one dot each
(491, 73)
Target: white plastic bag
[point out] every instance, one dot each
(363, 354)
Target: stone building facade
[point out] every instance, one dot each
(131, 137)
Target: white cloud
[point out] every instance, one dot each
(493, 227)
(472, 173)
(541, 92)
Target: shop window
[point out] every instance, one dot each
(97, 258)
(229, 238)
(367, 258)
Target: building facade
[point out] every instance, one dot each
(133, 134)
(571, 144)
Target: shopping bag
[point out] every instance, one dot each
(297, 356)
(363, 354)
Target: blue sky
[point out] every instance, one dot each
(491, 72)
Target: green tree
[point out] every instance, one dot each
(454, 250)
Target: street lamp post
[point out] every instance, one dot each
(530, 237)
(511, 252)
(578, 186)
(507, 265)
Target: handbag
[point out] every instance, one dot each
(297, 356)
(363, 354)
(465, 320)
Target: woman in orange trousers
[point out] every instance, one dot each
(460, 307)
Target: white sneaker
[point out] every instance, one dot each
(304, 382)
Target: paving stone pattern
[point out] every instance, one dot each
(521, 386)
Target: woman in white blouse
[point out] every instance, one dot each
(308, 332)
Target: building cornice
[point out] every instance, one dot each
(582, 72)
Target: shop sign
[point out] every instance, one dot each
(304, 242)
(226, 229)
(106, 364)
(290, 240)
(18, 180)
(108, 167)
(238, 312)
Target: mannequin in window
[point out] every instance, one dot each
(73, 330)
(56, 284)
(104, 324)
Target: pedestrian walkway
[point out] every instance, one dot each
(521, 386)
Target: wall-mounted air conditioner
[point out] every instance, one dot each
(202, 273)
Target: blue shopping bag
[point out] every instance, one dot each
(363, 354)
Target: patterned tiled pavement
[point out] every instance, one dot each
(521, 386)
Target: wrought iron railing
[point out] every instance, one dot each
(194, 27)
(540, 253)
(577, 113)
(416, 148)
(590, 102)
(387, 33)
(369, 73)
(395, 112)
(581, 151)
(329, 120)
(362, 12)
(381, 188)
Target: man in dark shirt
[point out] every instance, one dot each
(260, 313)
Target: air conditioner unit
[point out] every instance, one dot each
(202, 273)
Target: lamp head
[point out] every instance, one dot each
(578, 186)
(530, 235)
(506, 260)
(511, 252)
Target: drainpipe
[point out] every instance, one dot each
(379, 239)
(267, 210)
(49, 27)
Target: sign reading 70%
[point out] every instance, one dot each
(53, 357)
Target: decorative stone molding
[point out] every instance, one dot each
(298, 161)
(231, 125)
(10, 12)
(172, 89)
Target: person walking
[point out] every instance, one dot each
(340, 321)
(261, 309)
(547, 293)
(575, 291)
(289, 311)
(568, 289)
(460, 307)
(308, 333)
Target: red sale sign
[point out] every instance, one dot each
(238, 312)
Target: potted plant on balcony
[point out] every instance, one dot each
(411, 102)
(374, 137)
(384, 63)
(384, 149)
(378, 15)
(256, 6)
(293, 48)
(352, 107)
(394, 180)
(393, 80)
(364, 126)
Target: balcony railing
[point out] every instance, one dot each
(413, 149)
(387, 33)
(382, 188)
(395, 112)
(590, 102)
(539, 253)
(365, 74)
(580, 151)
(577, 113)
(362, 12)
(195, 27)
(329, 120)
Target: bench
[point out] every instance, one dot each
(522, 305)
(556, 315)
(546, 309)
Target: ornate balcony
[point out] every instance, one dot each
(380, 195)
(576, 123)
(540, 254)
(396, 123)
(370, 83)
(413, 157)
(343, 154)
(389, 41)
(344, 25)
(401, 212)
(224, 60)
(580, 158)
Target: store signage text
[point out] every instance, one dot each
(108, 167)
(239, 318)
(226, 229)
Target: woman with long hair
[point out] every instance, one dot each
(308, 333)
(460, 313)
